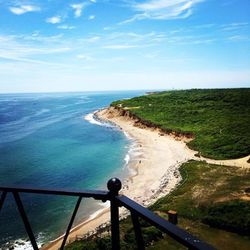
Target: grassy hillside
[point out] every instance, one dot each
(212, 202)
(218, 118)
(211, 193)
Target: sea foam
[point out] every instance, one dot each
(91, 117)
(127, 158)
(22, 244)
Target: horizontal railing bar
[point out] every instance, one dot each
(96, 194)
(114, 185)
(175, 232)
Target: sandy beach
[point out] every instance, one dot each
(154, 170)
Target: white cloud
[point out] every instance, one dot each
(238, 38)
(120, 46)
(91, 17)
(26, 48)
(205, 26)
(66, 27)
(162, 9)
(92, 1)
(78, 8)
(37, 37)
(54, 19)
(234, 26)
(22, 9)
(27, 60)
(85, 57)
(92, 39)
(109, 28)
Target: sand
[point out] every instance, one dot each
(154, 171)
(241, 162)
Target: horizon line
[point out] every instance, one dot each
(118, 90)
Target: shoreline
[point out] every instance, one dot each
(156, 164)
(160, 157)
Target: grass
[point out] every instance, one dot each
(212, 204)
(228, 215)
(211, 191)
(218, 118)
(212, 201)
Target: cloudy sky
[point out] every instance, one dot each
(56, 45)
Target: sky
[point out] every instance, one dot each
(73, 45)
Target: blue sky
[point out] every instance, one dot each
(56, 45)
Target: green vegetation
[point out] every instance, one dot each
(228, 215)
(218, 118)
(209, 198)
(128, 242)
(212, 201)
(211, 193)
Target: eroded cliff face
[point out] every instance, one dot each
(114, 111)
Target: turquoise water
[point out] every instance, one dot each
(46, 142)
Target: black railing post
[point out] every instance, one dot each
(25, 220)
(114, 185)
(138, 232)
(3, 196)
(71, 223)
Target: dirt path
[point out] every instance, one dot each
(241, 162)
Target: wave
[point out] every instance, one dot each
(92, 118)
(82, 102)
(127, 158)
(94, 215)
(134, 154)
(135, 149)
(23, 120)
(16, 131)
(42, 111)
(127, 135)
(23, 244)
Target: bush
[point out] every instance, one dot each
(233, 216)
(218, 118)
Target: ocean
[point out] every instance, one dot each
(52, 140)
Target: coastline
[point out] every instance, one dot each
(156, 166)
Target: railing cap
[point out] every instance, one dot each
(114, 186)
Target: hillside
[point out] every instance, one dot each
(212, 201)
(218, 214)
(218, 119)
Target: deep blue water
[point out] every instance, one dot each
(45, 142)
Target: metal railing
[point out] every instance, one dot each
(137, 211)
